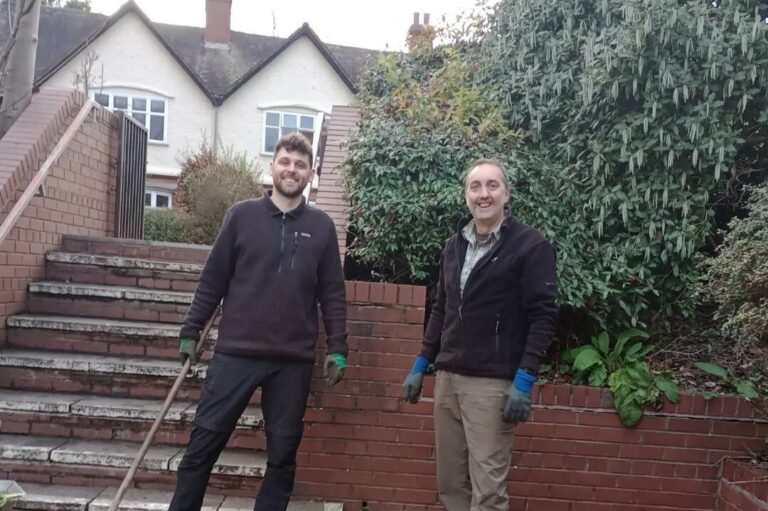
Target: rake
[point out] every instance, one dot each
(160, 417)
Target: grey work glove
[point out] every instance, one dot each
(415, 379)
(517, 407)
(188, 350)
(333, 369)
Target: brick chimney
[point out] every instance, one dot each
(420, 35)
(217, 18)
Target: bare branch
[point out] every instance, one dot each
(24, 8)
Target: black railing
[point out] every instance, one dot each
(131, 178)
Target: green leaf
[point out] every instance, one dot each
(626, 335)
(708, 394)
(668, 387)
(587, 358)
(630, 412)
(602, 342)
(746, 388)
(712, 369)
(597, 376)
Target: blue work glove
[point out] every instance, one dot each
(333, 369)
(188, 350)
(414, 380)
(518, 405)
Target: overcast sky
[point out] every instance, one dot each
(378, 24)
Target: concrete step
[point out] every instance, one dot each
(95, 364)
(126, 263)
(119, 270)
(116, 328)
(84, 405)
(44, 452)
(135, 248)
(108, 301)
(137, 377)
(96, 335)
(81, 498)
(110, 292)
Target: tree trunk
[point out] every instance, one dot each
(20, 70)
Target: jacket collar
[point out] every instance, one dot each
(275, 211)
(506, 223)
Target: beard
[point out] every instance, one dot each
(290, 193)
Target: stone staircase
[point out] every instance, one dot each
(85, 371)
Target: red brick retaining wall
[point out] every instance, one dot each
(79, 189)
(743, 487)
(363, 443)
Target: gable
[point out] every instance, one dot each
(130, 56)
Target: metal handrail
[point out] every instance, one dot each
(37, 180)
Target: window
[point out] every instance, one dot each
(151, 112)
(158, 199)
(277, 124)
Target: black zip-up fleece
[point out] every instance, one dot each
(507, 315)
(272, 268)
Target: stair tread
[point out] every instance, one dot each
(120, 454)
(123, 262)
(87, 405)
(74, 289)
(80, 498)
(95, 363)
(99, 325)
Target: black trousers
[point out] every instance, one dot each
(228, 386)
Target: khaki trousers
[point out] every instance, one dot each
(473, 443)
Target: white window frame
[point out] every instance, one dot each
(315, 131)
(154, 194)
(148, 112)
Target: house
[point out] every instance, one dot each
(190, 84)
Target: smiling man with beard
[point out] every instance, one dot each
(273, 261)
(493, 320)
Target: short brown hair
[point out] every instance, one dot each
(295, 142)
(487, 161)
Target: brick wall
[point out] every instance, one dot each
(79, 189)
(362, 443)
(743, 487)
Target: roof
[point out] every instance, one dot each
(219, 73)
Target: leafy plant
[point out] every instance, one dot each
(210, 182)
(617, 119)
(623, 367)
(736, 280)
(742, 386)
(162, 224)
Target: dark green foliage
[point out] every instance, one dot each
(162, 224)
(617, 118)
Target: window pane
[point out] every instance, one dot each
(270, 139)
(162, 201)
(273, 119)
(142, 118)
(307, 123)
(158, 105)
(120, 102)
(148, 199)
(102, 99)
(285, 131)
(289, 121)
(157, 128)
(140, 104)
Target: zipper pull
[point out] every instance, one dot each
(460, 316)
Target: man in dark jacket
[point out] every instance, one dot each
(491, 325)
(274, 260)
